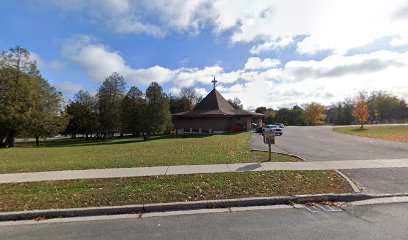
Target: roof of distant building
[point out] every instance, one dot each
(214, 104)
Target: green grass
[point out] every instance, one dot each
(71, 154)
(392, 133)
(161, 189)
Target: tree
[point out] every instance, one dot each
(178, 104)
(236, 103)
(185, 101)
(296, 116)
(131, 113)
(360, 111)
(45, 117)
(110, 97)
(386, 106)
(190, 95)
(261, 110)
(343, 113)
(82, 111)
(270, 116)
(314, 114)
(156, 113)
(283, 115)
(19, 81)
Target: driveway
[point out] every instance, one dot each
(323, 144)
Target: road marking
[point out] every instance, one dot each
(321, 207)
(312, 209)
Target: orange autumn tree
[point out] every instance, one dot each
(360, 112)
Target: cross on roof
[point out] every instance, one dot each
(214, 82)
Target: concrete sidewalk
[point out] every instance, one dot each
(196, 169)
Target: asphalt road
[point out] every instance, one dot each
(388, 221)
(323, 144)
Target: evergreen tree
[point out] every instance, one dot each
(82, 111)
(16, 96)
(131, 113)
(110, 97)
(156, 115)
(45, 117)
(29, 106)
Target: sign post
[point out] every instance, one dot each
(269, 138)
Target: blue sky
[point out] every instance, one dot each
(270, 53)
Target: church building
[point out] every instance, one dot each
(215, 115)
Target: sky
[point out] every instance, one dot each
(265, 52)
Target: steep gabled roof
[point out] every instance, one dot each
(214, 104)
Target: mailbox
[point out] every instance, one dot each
(269, 137)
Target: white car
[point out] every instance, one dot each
(280, 125)
(273, 128)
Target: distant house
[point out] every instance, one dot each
(214, 114)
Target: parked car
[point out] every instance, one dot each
(280, 125)
(273, 128)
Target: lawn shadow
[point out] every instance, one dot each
(249, 167)
(80, 142)
(359, 130)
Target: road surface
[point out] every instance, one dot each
(387, 221)
(323, 144)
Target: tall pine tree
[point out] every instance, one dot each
(110, 97)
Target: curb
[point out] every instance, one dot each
(352, 184)
(178, 206)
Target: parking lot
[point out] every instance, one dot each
(322, 144)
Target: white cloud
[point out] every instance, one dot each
(35, 57)
(69, 87)
(255, 63)
(99, 61)
(335, 25)
(175, 90)
(56, 66)
(401, 12)
(338, 65)
(273, 44)
(202, 91)
(261, 82)
(270, 25)
(122, 16)
(327, 81)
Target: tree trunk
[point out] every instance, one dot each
(37, 141)
(1, 141)
(146, 136)
(9, 140)
(362, 126)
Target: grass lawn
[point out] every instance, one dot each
(392, 133)
(70, 154)
(160, 189)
